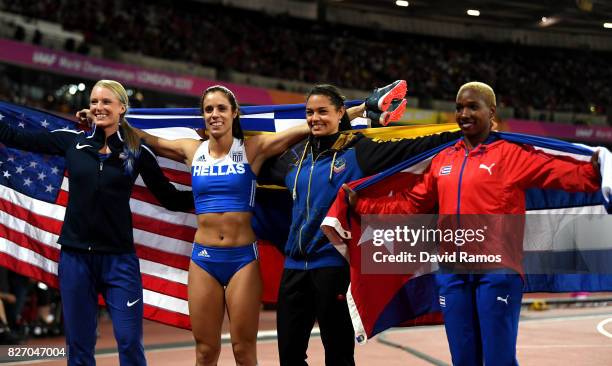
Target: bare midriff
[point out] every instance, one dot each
(225, 229)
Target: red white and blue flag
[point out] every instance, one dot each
(381, 301)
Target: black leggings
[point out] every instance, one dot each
(306, 296)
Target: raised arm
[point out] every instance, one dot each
(46, 142)
(177, 150)
(535, 168)
(356, 111)
(262, 147)
(375, 156)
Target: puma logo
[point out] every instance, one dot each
(499, 298)
(488, 168)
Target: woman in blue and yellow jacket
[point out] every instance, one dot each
(316, 277)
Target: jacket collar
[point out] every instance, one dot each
(322, 143)
(98, 138)
(493, 137)
(334, 143)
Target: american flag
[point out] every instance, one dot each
(34, 194)
(31, 183)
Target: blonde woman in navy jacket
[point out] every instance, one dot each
(97, 246)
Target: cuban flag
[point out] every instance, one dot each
(380, 301)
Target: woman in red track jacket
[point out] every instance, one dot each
(481, 181)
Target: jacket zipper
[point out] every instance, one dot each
(465, 157)
(312, 165)
(307, 206)
(98, 183)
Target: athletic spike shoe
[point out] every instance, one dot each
(381, 98)
(394, 113)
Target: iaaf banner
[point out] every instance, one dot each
(560, 130)
(94, 68)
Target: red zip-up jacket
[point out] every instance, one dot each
(485, 187)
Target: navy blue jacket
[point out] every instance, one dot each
(98, 216)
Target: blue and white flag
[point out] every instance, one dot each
(266, 118)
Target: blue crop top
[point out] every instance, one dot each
(225, 184)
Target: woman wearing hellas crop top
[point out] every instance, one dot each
(224, 270)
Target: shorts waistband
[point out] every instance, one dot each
(224, 254)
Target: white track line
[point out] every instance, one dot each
(602, 330)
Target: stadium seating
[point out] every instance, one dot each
(526, 78)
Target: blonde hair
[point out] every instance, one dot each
(483, 89)
(129, 136)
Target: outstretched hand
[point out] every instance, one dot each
(595, 160)
(352, 196)
(85, 117)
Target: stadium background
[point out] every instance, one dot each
(549, 62)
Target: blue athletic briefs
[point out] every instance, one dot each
(223, 262)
